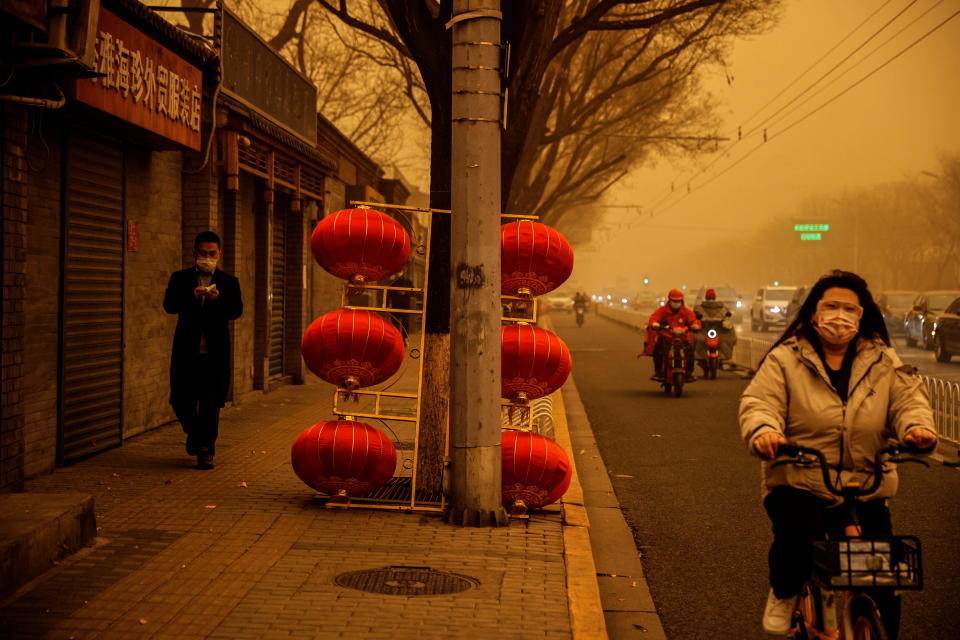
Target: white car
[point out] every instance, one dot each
(771, 307)
(557, 302)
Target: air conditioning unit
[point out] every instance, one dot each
(73, 29)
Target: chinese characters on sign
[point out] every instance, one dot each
(143, 83)
(811, 232)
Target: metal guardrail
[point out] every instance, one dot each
(945, 402)
(748, 352)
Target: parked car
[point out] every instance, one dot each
(894, 306)
(920, 322)
(946, 341)
(728, 296)
(770, 307)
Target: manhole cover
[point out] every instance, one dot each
(406, 581)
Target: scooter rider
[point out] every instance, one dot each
(675, 314)
(580, 306)
(714, 315)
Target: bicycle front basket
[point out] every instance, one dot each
(891, 562)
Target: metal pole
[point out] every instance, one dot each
(475, 495)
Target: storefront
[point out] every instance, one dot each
(102, 236)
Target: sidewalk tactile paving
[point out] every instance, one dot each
(193, 554)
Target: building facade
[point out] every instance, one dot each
(110, 168)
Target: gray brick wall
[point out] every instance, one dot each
(153, 200)
(43, 305)
(325, 290)
(13, 195)
(201, 207)
(245, 269)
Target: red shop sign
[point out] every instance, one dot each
(144, 83)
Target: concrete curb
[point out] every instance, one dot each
(37, 530)
(583, 591)
(614, 600)
(628, 607)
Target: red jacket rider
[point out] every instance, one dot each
(675, 315)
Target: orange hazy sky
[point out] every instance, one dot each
(889, 127)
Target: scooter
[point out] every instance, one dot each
(675, 359)
(713, 353)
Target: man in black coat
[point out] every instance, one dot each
(205, 299)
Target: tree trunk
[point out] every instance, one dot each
(435, 400)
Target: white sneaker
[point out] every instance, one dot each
(778, 614)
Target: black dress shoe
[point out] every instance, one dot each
(204, 460)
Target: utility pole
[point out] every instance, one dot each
(475, 494)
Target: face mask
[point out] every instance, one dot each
(207, 265)
(837, 327)
(675, 305)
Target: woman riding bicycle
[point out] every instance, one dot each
(832, 382)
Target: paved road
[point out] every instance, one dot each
(691, 495)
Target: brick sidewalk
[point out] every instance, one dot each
(244, 551)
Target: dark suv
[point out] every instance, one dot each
(946, 341)
(920, 322)
(894, 306)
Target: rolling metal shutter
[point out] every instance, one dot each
(91, 369)
(277, 282)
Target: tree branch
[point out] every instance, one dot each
(343, 13)
(289, 27)
(593, 21)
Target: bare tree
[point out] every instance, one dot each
(365, 86)
(593, 86)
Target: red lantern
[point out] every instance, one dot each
(534, 258)
(352, 348)
(343, 457)
(360, 245)
(536, 471)
(534, 363)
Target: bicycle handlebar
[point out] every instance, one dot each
(897, 453)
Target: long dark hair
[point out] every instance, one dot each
(871, 324)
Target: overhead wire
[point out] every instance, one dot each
(856, 64)
(836, 66)
(815, 110)
(740, 137)
(816, 62)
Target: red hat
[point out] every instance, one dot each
(675, 294)
(710, 294)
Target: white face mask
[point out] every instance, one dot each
(836, 327)
(207, 265)
(675, 305)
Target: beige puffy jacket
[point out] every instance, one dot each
(791, 393)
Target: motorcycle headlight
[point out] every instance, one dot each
(739, 303)
(712, 333)
(775, 309)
